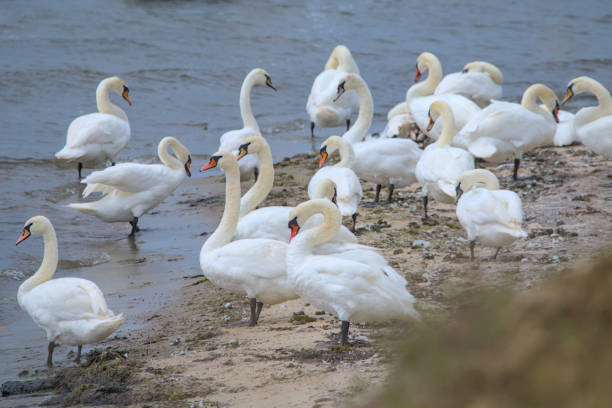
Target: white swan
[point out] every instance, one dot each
(254, 267)
(505, 130)
(230, 141)
(348, 187)
(420, 96)
(441, 164)
(350, 289)
(479, 81)
(71, 310)
(565, 134)
(381, 161)
(271, 222)
(490, 216)
(132, 189)
(99, 136)
(593, 124)
(321, 107)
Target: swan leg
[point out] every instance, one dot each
(79, 168)
(517, 162)
(478, 163)
(50, 355)
(391, 188)
(348, 124)
(344, 333)
(472, 243)
(112, 163)
(425, 199)
(134, 224)
(378, 187)
(354, 217)
(253, 303)
(496, 252)
(312, 125)
(78, 356)
(259, 307)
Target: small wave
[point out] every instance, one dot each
(87, 262)
(12, 274)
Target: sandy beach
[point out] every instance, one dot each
(197, 350)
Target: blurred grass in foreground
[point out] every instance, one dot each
(549, 348)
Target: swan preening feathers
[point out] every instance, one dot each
(71, 310)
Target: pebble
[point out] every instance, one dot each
(420, 243)
(227, 305)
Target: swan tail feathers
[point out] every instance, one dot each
(85, 208)
(68, 154)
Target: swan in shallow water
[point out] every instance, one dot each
(99, 136)
(230, 141)
(505, 130)
(321, 107)
(593, 124)
(253, 267)
(479, 81)
(350, 289)
(491, 216)
(71, 310)
(132, 189)
(441, 164)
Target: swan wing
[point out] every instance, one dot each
(127, 177)
(97, 128)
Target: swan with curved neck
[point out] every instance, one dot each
(505, 130)
(99, 136)
(593, 124)
(132, 189)
(348, 288)
(230, 141)
(347, 183)
(489, 215)
(382, 161)
(259, 191)
(479, 81)
(441, 164)
(71, 310)
(321, 107)
(254, 267)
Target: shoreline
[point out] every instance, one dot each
(197, 348)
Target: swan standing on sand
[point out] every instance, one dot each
(490, 216)
(593, 124)
(381, 161)
(132, 189)
(99, 136)
(230, 141)
(441, 164)
(420, 96)
(350, 289)
(348, 187)
(321, 107)
(505, 130)
(271, 222)
(479, 81)
(71, 310)
(254, 267)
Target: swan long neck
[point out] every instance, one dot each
(227, 226)
(530, 98)
(603, 97)
(341, 59)
(165, 157)
(448, 126)
(47, 267)
(263, 185)
(429, 85)
(360, 128)
(104, 103)
(248, 120)
(312, 237)
(347, 154)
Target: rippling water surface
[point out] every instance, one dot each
(184, 62)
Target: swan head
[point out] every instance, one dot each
(262, 77)
(475, 178)
(326, 188)
(546, 95)
(35, 225)
(180, 151)
(346, 83)
(424, 62)
(577, 86)
(486, 67)
(119, 86)
(222, 160)
(252, 144)
(329, 146)
(435, 110)
(302, 212)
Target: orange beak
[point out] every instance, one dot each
(568, 96)
(126, 96)
(24, 235)
(431, 123)
(241, 153)
(555, 113)
(294, 230)
(417, 75)
(323, 158)
(212, 163)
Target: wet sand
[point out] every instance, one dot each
(198, 350)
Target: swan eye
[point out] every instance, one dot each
(465, 70)
(340, 90)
